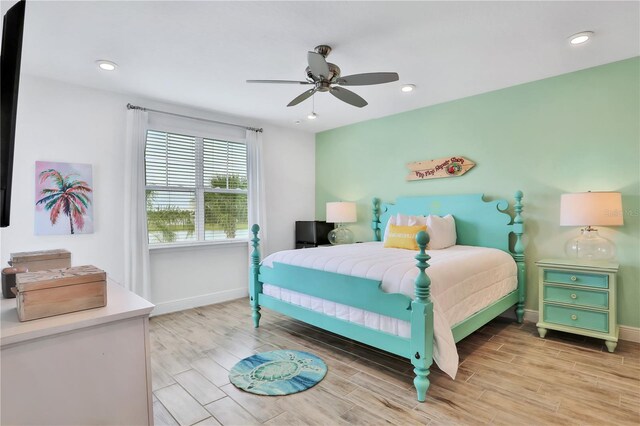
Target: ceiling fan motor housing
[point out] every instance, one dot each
(334, 72)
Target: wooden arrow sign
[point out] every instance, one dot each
(439, 168)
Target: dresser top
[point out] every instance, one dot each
(121, 304)
(599, 265)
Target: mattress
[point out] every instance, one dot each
(464, 280)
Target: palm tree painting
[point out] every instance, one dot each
(63, 198)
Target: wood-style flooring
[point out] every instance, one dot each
(507, 375)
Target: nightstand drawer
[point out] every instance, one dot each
(576, 278)
(575, 296)
(574, 317)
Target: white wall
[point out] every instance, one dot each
(59, 122)
(68, 123)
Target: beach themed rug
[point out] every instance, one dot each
(278, 372)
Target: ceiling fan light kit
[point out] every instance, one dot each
(326, 77)
(312, 115)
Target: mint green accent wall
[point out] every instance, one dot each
(571, 133)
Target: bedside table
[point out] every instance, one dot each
(578, 296)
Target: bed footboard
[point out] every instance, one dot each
(366, 295)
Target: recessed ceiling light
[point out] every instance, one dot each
(312, 116)
(408, 88)
(580, 38)
(106, 65)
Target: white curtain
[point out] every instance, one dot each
(136, 243)
(255, 169)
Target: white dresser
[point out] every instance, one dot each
(84, 368)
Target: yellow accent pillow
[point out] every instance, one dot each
(403, 237)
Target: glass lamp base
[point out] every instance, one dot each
(341, 235)
(590, 245)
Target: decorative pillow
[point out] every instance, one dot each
(403, 237)
(442, 232)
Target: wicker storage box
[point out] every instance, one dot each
(41, 260)
(59, 291)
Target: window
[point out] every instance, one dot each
(196, 189)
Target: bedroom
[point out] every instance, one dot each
(534, 113)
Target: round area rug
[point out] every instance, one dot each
(278, 372)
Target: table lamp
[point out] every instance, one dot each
(341, 212)
(589, 209)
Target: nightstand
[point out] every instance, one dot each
(578, 296)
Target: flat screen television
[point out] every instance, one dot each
(11, 53)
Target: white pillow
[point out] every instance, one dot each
(442, 232)
(405, 220)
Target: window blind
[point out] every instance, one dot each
(224, 159)
(170, 160)
(196, 188)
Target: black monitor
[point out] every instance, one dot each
(313, 232)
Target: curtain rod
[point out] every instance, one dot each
(255, 129)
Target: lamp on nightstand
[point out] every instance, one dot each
(341, 212)
(588, 209)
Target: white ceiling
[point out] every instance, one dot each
(200, 53)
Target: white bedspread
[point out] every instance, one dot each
(464, 280)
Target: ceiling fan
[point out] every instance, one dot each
(324, 76)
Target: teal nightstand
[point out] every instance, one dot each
(578, 296)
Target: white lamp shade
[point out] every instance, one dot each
(591, 208)
(341, 212)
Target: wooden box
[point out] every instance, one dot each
(41, 260)
(59, 291)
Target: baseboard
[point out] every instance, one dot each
(630, 334)
(529, 315)
(196, 301)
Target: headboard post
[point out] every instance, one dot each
(375, 222)
(255, 286)
(518, 256)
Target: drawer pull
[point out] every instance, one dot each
(574, 278)
(574, 317)
(574, 296)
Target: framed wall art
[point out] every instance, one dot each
(64, 198)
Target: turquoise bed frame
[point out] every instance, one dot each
(478, 223)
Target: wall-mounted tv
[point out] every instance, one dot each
(11, 53)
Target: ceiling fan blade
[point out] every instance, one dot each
(348, 96)
(318, 65)
(302, 97)
(368, 78)
(279, 81)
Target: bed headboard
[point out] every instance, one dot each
(478, 222)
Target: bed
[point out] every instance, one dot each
(297, 288)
